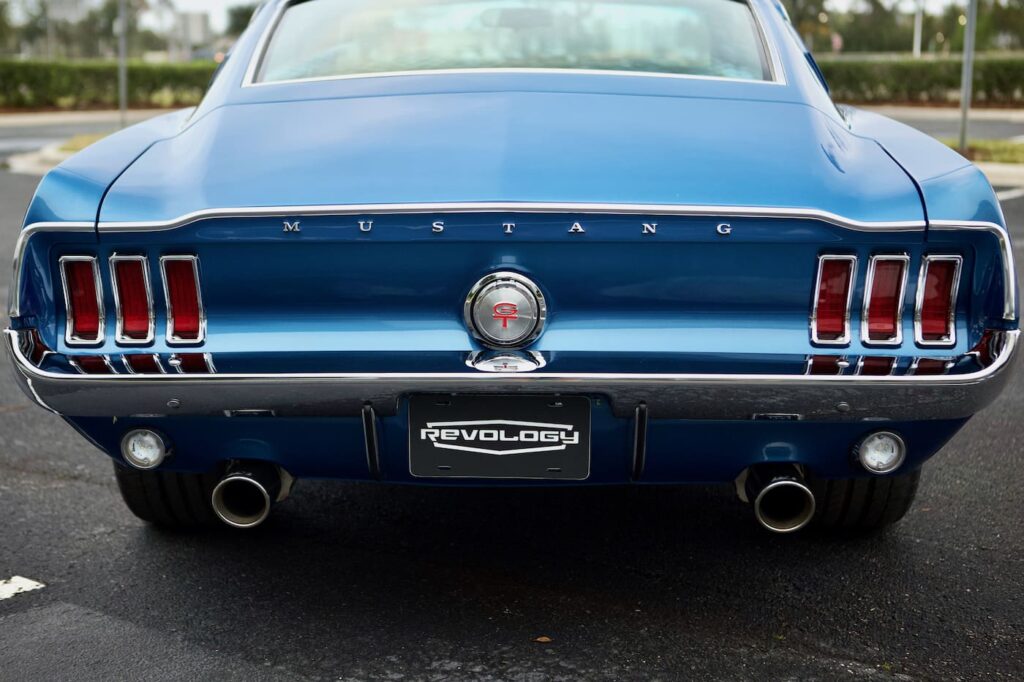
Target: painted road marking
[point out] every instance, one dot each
(1010, 194)
(17, 585)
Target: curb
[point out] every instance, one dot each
(1004, 174)
(38, 163)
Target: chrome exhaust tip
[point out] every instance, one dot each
(246, 494)
(782, 501)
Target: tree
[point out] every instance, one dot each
(806, 16)
(238, 19)
(6, 29)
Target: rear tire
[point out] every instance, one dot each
(864, 504)
(166, 499)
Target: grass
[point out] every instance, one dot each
(80, 142)
(994, 151)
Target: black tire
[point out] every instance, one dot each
(166, 499)
(864, 504)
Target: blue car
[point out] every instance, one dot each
(514, 243)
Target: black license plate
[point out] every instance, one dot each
(472, 436)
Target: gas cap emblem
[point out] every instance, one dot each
(505, 310)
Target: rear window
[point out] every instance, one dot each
(337, 38)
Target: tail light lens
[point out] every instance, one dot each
(876, 366)
(193, 363)
(826, 365)
(92, 364)
(936, 300)
(144, 364)
(185, 320)
(133, 299)
(929, 367)
(830, 320)
(83, 300)
(882, 323)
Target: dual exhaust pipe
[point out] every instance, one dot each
(780, 496)
(244, 497)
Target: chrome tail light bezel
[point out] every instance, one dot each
(845, 339)
(869, 284)
(172, 338)
(926, 262)
(70, 338)
(120, 338)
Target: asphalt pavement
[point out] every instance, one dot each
(359, 582)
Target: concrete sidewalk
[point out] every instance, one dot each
(48, 118)
(1015, 116)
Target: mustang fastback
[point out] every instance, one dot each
(516, 243)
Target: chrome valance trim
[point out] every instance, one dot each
(845, 397)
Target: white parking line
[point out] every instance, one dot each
(17, 585)
(1010, 194)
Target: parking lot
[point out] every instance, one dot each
(359, 581)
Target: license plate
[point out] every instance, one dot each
(525, 437)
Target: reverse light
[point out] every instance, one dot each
(144, 449)
(133, 299)
(935, 313)
(92, 364)
(882, 452)
(193, 363)
(882, 321)
(83, 300)
(826, 365)
(830, 319)
(143, 364)
(873, 366)
(186, 324)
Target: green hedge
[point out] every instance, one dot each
(81, 85)
(998, 81)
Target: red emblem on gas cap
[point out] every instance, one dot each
(506, 312)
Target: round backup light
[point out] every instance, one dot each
(144, 449)
(882, 452)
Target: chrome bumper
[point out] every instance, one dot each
(667, 396)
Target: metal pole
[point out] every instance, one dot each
(967, 78)
(918, 29)
(122, 59)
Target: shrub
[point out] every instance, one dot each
(997, 80)
(80, 85)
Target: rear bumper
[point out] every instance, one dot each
(667, 396)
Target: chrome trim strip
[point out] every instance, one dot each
(14, 306)
(69, 321)
(172, 339)
(844, 340)
(1006, 249)
(119, 337)
(256, 59)
(865, 332)
(516, 207)
(691, 396)
(918, 308)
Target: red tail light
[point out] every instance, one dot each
(83, 300)
(929, 366)
(876, 366)
(144, 364)
(193, 363)
(185, 321)
(92, 364)
(830, 321)
(826, 365)
(133, 299)
(936, 300)
(882, 323)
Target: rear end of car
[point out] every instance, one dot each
(539, 277)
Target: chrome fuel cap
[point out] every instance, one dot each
(505, 310)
